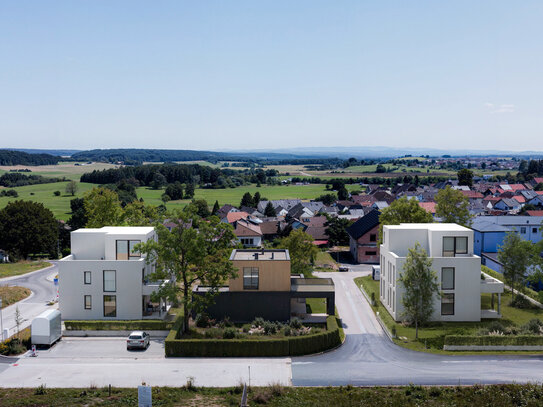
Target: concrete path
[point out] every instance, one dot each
(40, 282)
(368, 357)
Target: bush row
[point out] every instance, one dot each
(119, 325)
(494, 340)
(289, 346)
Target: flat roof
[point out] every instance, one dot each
(275, 254)
(442, 227)
(117, 230)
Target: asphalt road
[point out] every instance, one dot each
(368, 357)
(43, 291)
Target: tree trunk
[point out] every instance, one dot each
(185, 305)
(416, 329)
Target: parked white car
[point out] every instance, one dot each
(138, 339)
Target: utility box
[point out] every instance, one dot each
(376, 272)
(46, 328)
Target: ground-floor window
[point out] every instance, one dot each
(88, 302)
(447, 304)
(110, 305)
(371, 253)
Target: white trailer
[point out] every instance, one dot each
(46, 328)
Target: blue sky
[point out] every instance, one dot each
(271, 74)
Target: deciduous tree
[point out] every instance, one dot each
(453, 207)
(71, 188)
(403, 210)
(420, 286)
(103, 208)
(28, 227)
(302, 251)
(194, 251)
(465, 177)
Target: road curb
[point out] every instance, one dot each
(376, 313)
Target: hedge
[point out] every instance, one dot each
(494, 340)
(288, 346)
(119, 325)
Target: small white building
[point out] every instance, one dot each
(105, 277)
(458, 270)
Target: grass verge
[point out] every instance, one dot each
(21, 267)
(277, 396)
(432, 337)
(11, 295)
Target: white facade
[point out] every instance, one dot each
(104, 277)
(458, 270)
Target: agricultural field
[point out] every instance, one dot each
(63, 169)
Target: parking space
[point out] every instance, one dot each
(111, 348)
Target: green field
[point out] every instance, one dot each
(22, 267)
(60, 205)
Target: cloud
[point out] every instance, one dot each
(499, 109)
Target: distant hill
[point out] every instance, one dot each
(61, 152)
(10, 157)
(154, 155)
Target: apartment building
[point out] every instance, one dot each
(105, 277)
(458, 269)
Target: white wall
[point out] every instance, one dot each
(467, 289)
(72, 288)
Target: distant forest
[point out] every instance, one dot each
(10, 157)
(16, 179)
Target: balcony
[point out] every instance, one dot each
(491, 285)
(150, 287)
(311, 285)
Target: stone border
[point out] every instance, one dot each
(492, 347)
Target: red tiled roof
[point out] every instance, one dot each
(519, 198)
(538, 180)
(232, 217)
(244, 228)
(535, 213)
(428, 206)
(320, 242)
(472, 194)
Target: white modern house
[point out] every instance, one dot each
(458, 269)
(105, 277)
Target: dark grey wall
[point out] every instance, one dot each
(243, 306)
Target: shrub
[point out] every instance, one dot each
(56, 193)
(494, 326)
(40, 390)
(270, 328)
(227, 323)
(295, 323)
(533, 326)
(258, 321)
(202, 320)
(287, 331)
(521, 302)
(393, 331)
(229, 333)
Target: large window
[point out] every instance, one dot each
(110, 283)
(250, 278)
(447, 304)
(447, 278)
(126, 249)
(455, 245)
(88, 302)
(87, 277)
(110, 305)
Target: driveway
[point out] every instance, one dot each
(101, 348)
(40, 282)
(368, 357)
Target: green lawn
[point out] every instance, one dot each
(22, 267)
(315, 305)
(433, 334)
(324, 260)
(60, 205)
